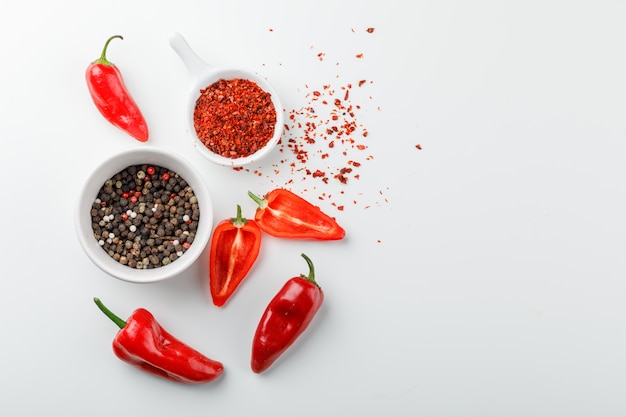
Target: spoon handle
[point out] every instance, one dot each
(195, 65)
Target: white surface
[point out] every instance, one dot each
(485, 279)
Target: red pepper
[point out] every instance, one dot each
(284, 214)
(143, 343)
(286, 317)
(235, 245)
(111, 97)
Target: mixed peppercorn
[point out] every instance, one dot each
(145, 216)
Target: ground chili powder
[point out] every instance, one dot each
(234, 118)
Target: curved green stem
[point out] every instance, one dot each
(260, 201)
(103, 58)
(311, 276)
(121, 323)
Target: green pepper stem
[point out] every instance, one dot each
(311, 276)
(260, 201)
(103, 57)
(121, 323)
(239, 221)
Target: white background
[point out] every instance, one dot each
(481, 276)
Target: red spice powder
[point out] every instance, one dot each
(234, 118)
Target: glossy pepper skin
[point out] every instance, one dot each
(111, 97)
(286, 317)
(143, 343)
(235, 245)
(284, 214)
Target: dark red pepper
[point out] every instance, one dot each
(286, 317)
(111, 97)
(235, 245)
(284, 214)
(143, 343)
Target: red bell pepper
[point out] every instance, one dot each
(143, 343)
(284, 214)
(111, 97)
(286, 317)
(235, 245)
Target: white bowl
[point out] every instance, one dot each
(202, 76)
(109, 168)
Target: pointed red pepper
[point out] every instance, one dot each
(111, 97)
(235, 245)
(143, 343)
(284, 214)
(286, 317)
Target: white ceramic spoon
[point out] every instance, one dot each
(202, 76)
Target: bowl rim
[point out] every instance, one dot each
(210, 77)
(114, 164)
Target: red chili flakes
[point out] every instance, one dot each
(335, 125)
(321, 140)
(370, 30)
(234, 118)
(418, 146)
(341, 176)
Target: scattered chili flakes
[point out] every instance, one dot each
(418, 146)
(370, 30)
(322, 141)
(329, 119)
